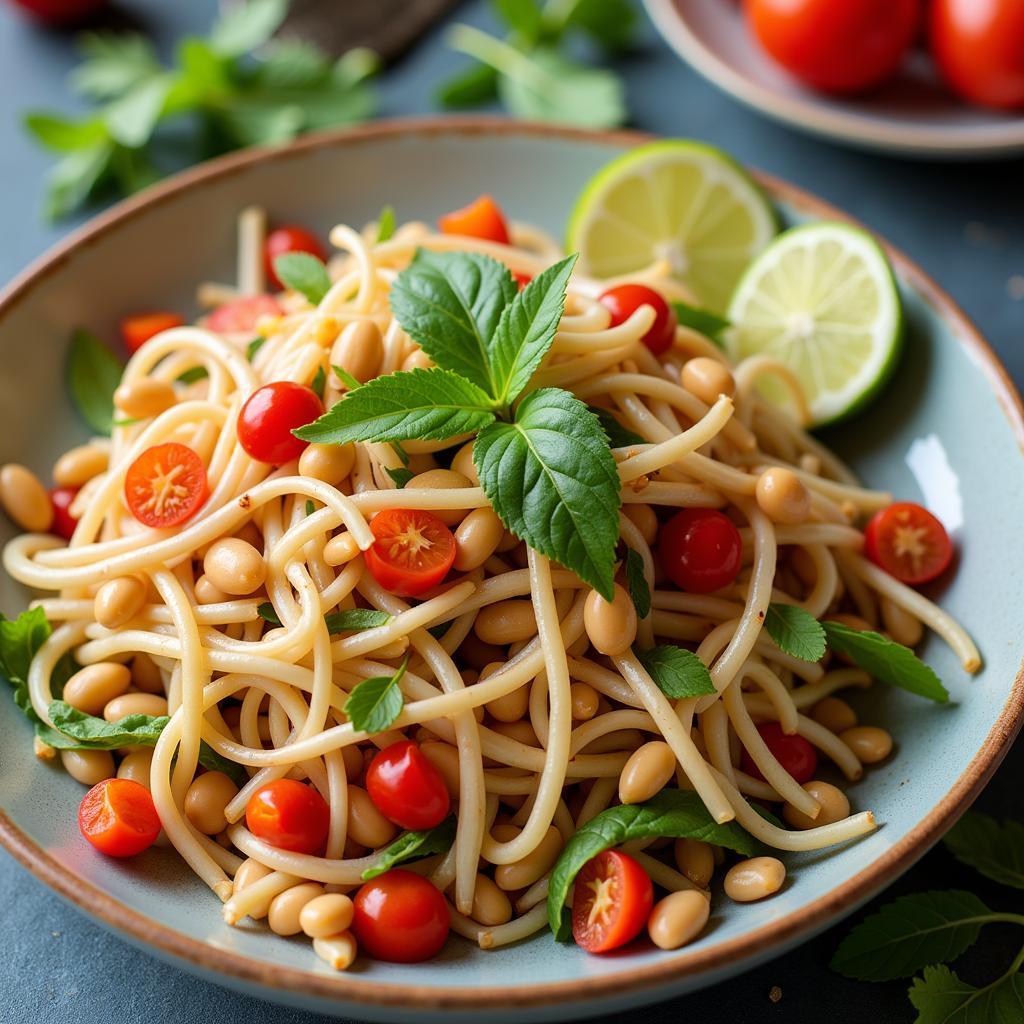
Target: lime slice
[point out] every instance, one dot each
(821, 299)
(681, 201)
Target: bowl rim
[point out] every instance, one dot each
(810, 114)
(119, 917)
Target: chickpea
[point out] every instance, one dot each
(782, 496)
(445, 758)
(91, 688)
(611, 626)
(463, 463)
(207, 593)
(249, 872)
(852, 621)
(647, 772)
(521, 731)
(834, 714)
(707, 379)
(286, 907)
(359, 350)
(696, 860)
(754, 879)
(146, 675)
(340, 549)
(205, 801)
(417, 359)
(136, 766)
(491, 906)
(88, 766)
(24, 499)
(79, 465)
(833, 802)
(134, 704)
(678, 918)
(119, 600)
(903, 627)
(234, 566)
(366, 825)
(868, 742)
(339, 950)
(326, 915)
(477, 538)
(506, 622)
(644, 518)
(533, 866)
(144, 398)
(328, 462)
(583, 698)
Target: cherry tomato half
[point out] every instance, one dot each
(794, 753)
(119, 818)
(908, 542)
(137, 330)
(285, 240)
(838, 46)
(481, 219)
(289, 815)
(625, 299)
(412, 551)
(400, 917)
(979, 47)
(63, 522)
(406, 787)
(700, 550)
(611, 902)
(269, 416)
(241, 316)
(61, 12)
(166, 485)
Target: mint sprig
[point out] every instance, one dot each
(375, 703)
(796, 632)
(677, 672)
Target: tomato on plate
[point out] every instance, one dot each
(137, 330)
(241, 316)
(979, 47)
(793, 752)
(61, 12)
(611, 902)
(119, 818)
(908, 542)
(64, 522)
(290, 238)
(290, 815)
(521, 278)
(269, 416)
(700, 550)
(625, 299)
(481, 219)
(400, 917)
(406, 787)
(166, 485)
(839, 46)
(412, 551)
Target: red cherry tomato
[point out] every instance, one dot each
(611, 902)
(289, 239)
(61, 12)
(63, 522)
(625, 299)
(839, 46)
(240, 316)
(289, 815)
(400, 917)
(269, 416)
(908, 542)
(166, 485)
(794, 753)
(137, 330)
(481, 219)
(521, 278)
(412, 551)
(979, 47)
(700, 550)
(119, 818)
(406, 787)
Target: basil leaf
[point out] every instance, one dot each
(375, 703)
(940, 997)
(75, 178)
(399, 450)
(310, 507)
(552, 480)
(522, 16)
(997, 851)
(438, 631)
(469, 87)
(450, 304)
(639, 591)
(795, 631)
(212, 761)
(413, 846)
(245, 26)
(610, 23)
(401, 476)
(677, 672)
(132, 118)
(345, 377)
(93, 376)
(266, 611)
(385, 224)
(253, 347)
(618, 435)
(303, 272)
(193, 374)
(673, 812)
(64, 135)
(526, 330)
(20, 640)
(79, 731)
(353, 619)
(703, 321)
(886, 660)
(429, 404)
(293, 64)
(318, 383)
(115, 63)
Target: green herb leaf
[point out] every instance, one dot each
(74, 179)
(293, 64)
(910, 933)
(997, 851)
(93, 375)
(940, 997)
(711, 325)
(375, 703)
(64, 135)
(401, 476)
(385, 224)
(429, 404)
(677, 672)
(470, 87)
(353, 619)
(886, 660)
(132, 118)
(639, 591)
(303, 273)
(193, 374)
(253, 347)
(552, 480)
(450, 304)
(245, 26)
(310, 507)
(522, 16)
(346, 378)
(20, 640)
(212, 761)
(610, 23)
(795, 631)
(78, 731)
(266, 612)
(114, 64)
(413, 846)
(673, 812)
(438, 631)
(618, 435)
(403, 455)
(318, 383)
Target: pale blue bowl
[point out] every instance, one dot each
(948, 430)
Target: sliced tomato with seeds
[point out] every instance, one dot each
(166, 485)
(908, 542)
(412, 551)
(482, 218)
(241, 316)
(137, 330)
(611, 902)
(119, 818)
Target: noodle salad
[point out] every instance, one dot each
(438, 586)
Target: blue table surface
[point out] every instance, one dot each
(964, 223)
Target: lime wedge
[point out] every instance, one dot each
(821, 299)
(677, 200)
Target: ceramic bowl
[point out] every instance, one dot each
(948, 430)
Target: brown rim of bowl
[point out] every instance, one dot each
(119, 917)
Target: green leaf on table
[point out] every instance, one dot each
(75, 730)
(552, 480)
(703, 321)
(677, 672)
(353, 619)
(413, 846)
(610, 23)
(245, 26)
(522, 16)
(94, 373)
(303, 273)
(132, 118)
(994, 849)
(795, 631)
(251, 121)
(20, 640)
(73, 179)
(401, 476)
(469, 87)
(375, 703)
(618, 435)
(940, 997)
(639, 591)
(385, 224)
(63, 134)
(292, 64)
(115, 64)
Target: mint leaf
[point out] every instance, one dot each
(429, 404)
(302, 272)
(401, 476)
(266, 612)
(618, 435)
(910, 933)
(74, 179)
(20, 640)
(310, 507)
(114, 64)
(886, 660)
(639, 591)
(403, 455)
(93, 375)
(385, 224)
(711, 325)
(526, 329)
(253, 347)
(193, 374)
(940, 997)
(212, 761)
(318, 383)
(795, 631)
(375, 703)
(450, 304)
(469, 87)
(610, 23)
(293, 64)
(64, 135)
(345, 377)
(247, 25)
(413, 846)
(78, 731)
(132, 118)
(353, 619)
(997, 851)
(677, 672)
(522, 16)
(552, 480)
